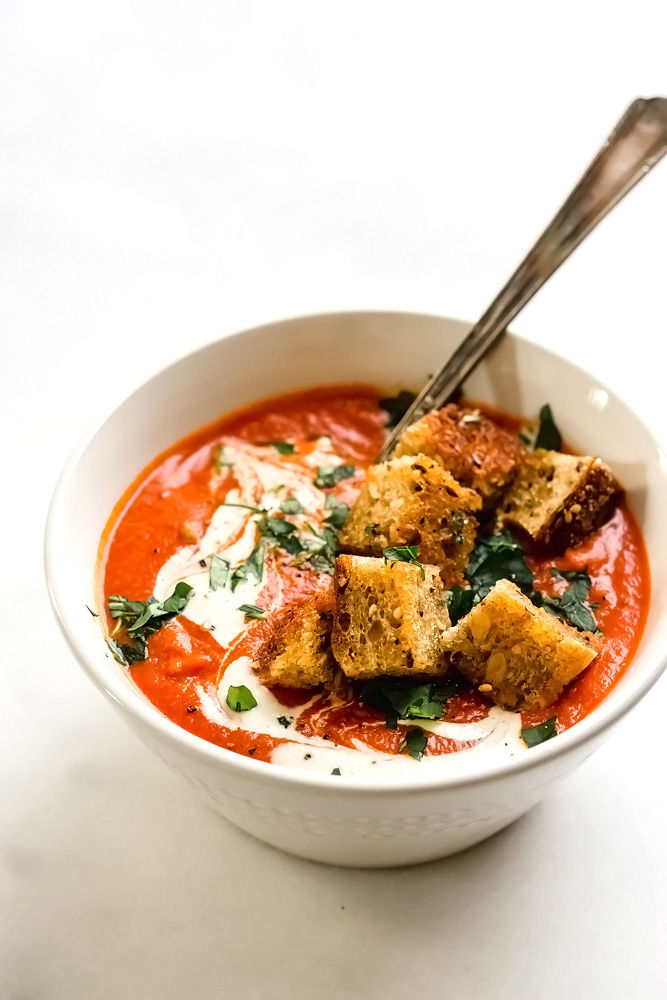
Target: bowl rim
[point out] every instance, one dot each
(112, 681)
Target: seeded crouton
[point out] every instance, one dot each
(525, 654)
(387, 620)
(558, 499)
(297, 652)
(477, 452)
(414, 501)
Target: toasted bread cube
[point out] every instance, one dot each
(297, 652)
(414, 501)
(558, 499)
(388, 621)
(478, 453)
(523, 652)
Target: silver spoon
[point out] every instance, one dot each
(637, 143)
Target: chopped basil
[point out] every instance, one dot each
(251, 751)
(399, 700)
(252, 611)
(240, 699)
(397, 406)
(93, 613)
(220, 461)
(284, 721)
(548, 435)
(175, 604)
(404, 553)
(140, 620)
(330, 475)
(284, 447)
(218, 573)
(460, 600)
(498, 557)
(116, 651)
(291, 506)
(280, 532)
(574, 604)
(338, 512)
(415, 741)
(245, 506)
(253, 566)
(538, 734)
(336, 771)
(127, 653)
(320, 550)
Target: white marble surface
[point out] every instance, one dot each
(172, 170)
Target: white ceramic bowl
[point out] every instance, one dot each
(346, 821)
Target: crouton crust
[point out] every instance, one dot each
(523, 652)
(297, 652)
(388, 621)
(558, 499)
(414, 501)
(478, 453)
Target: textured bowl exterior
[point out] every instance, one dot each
(367, 829)
(348, 821)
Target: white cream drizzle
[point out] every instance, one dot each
(232, 534)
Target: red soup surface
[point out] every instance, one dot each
(171, 504)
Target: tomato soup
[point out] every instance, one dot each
(193, 517)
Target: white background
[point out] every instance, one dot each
(171, 171)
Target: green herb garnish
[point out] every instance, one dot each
(322, 550)
(499, 557)
(338, 512)
(218, 573)
(244, 506)
(280, 532)
(415, 741)
(251, 751)
(399, 700)
(336, 771)
(574, 604)
(139, 619)
(460, 600)
(126, 653)
(330, 475)
(284, 447)
(397, 406)
(404, 553)
(538, 734)
(291, 506)
(240, 699)
(253, 566)
(548, 435)
(253, 611)
(284, 721)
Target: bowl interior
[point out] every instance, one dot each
(391, 350)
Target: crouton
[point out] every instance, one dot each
(525, 654)
(297, 652)
(388, 621)
(414, 501)
(558, 499)
(478, 453)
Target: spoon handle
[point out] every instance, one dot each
(637, 143)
